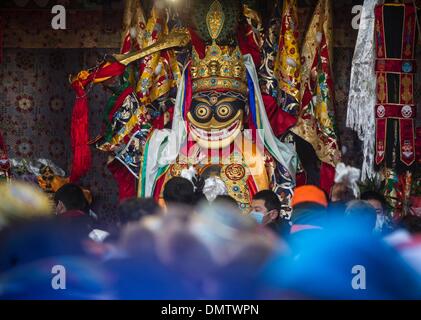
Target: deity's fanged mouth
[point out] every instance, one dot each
(216, 138)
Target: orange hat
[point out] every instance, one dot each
(309, 193)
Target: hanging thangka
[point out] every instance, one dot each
(395, 38)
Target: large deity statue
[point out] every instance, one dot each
(220, 126)
(216, 124)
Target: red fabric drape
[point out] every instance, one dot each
(127, 44)
(327, 177)
(158, 188)
(2, 144)
(280, 120)
(80, 135)
(301, 179)
(159, 122)
(81, 161)
(197, 43)
(125, 180)
(252, 187)
(4, 164)
(248, 44)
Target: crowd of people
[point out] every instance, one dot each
(333, 246)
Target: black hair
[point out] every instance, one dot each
(72, 197)
(134, 209)
(271, 199)
(362, 212)
(226, 199)
(179, 190)
(373, 195)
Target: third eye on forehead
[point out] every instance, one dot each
(213, 99)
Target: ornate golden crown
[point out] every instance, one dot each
(221, 68)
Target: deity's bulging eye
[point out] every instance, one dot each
(203, 112)
(224, 111)
(213, 100)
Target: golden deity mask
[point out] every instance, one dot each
(216, 118)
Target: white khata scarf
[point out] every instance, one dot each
(362, 91)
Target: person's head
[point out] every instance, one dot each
(134, 209)
(265, 206)
(179, 190)
(379, 203)
(70, 197)
(309, 194)
(341, 193)
(362, 213)
(377, 200)
(226, 200)
(309, 205)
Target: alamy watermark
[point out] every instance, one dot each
(58, 281)
(59, 20)
(359, 279)
(355, 22)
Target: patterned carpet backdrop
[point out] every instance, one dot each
(36, 99)
(35, 111)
